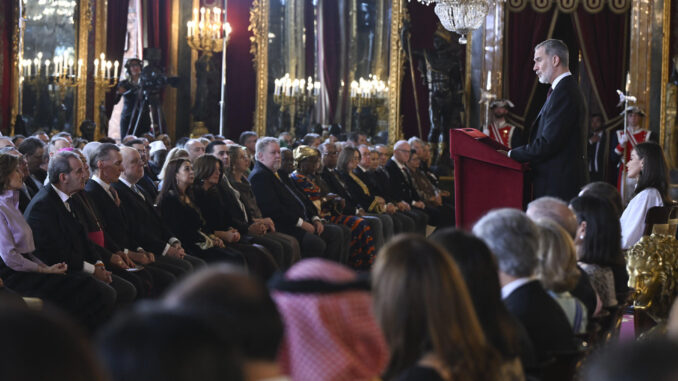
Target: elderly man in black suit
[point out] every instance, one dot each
(557, 148)
(280, 203)
(106, 165)
(58, 235)
(146, 226)
(514, 241)
(401, 186)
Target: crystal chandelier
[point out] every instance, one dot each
(460, 16)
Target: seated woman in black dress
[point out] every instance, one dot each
(424, 309)
(206, 196)
(184, 219)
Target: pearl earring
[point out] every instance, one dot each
(581, 236)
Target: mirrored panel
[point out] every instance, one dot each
(49, 68)
(328, 63)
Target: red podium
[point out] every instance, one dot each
(484, 179)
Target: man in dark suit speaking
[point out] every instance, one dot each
(557, 147)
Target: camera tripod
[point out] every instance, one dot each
(151, 101)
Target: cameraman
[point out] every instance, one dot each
(129, 89)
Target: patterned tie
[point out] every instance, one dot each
(114, 195)
(138, 191)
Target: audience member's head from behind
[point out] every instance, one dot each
(479, 270)
(598, 238)
(653, 359)
(605, 191)
(554, 209)
(557, 268)
(514, 241)
(152, 343)
(43, 345)
(648, 165)
(418, 291)
(230, 298)
(347, 346)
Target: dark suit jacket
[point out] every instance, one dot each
(112, 218)
(59, 237)
(597, 158)
(146, 226)
(364, 200)
(400, 187)
(557, 148)
(276, 201)
(543, 318)
(335, 185)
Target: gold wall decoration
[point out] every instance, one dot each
(396, 72)
(569, 6)
(100, 32)
(259, 48)
(84, 26)
(17, 49)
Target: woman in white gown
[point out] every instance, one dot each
(648, 166)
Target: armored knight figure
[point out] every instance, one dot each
(442, 72)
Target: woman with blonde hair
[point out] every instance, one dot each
(558, 273)
(423, 306)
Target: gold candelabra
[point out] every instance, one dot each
(300, 93)
(206, 31)
(62, 72)
(368, 92)
(104, 79)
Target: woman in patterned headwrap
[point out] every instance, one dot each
(331, 206)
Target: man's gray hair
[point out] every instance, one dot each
(51, 146)
(415, 140)
(59, 164)
(101, 153)
(513, 239)
(555, 209)
(558, 48)
(263, 143)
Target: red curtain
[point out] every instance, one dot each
(6, 29)
(158, 27)
(116, 25)
(525, 30)
(330, 53)
(240, 74)
(602, 37)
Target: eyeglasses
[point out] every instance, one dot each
(404, 150)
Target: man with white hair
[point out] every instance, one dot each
(514, 241)
(195, 149)
(288, 212)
